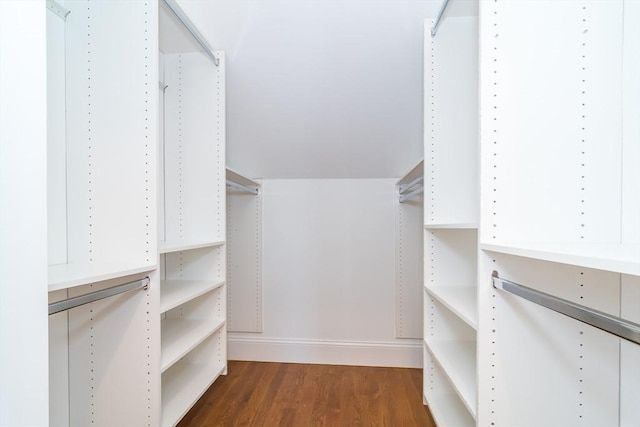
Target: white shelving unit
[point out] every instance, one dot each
(101, 211)
(451, 217)
(560, 209)
(192, 216)
(97, 232)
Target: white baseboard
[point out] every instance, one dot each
(393, 354)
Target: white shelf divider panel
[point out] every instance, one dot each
(621, 258)
(178, 292)
(180, 336)
(461, 300)
(177, 246)
(188, 379)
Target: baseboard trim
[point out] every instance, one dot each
(394, 354)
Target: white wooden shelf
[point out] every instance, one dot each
(458, 361)
(180, 336)
(461, 300)
(165, 247)
(448, 411)
(176, 292)
(182, 386)
(620, 258)
(453, 226)
(64, 276)
(415, 172)
(241, 179)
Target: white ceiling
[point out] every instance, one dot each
(320, 89)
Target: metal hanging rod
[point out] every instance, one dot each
(614, 325)
(434, 29)
(414, 193)
(182, 17)
(57, 307)
(404, 187)
(252, 190)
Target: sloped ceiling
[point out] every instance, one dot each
(320, 89)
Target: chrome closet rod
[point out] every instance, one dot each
(69, 303)
(404, 187)
(414, 193)
(182, 17)
(434, 29)
(234, 184)
(622, 328)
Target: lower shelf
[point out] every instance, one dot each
(446, 406)
(458, 363)
(448, 411)
(178, 337)
(188, 379)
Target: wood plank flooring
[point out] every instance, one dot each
(283, 394)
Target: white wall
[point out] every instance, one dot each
(321, 89)
(329, 275)
(23, 221)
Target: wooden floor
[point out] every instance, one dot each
(281, 394)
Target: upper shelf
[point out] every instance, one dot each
(178, 34)
(620, 258)
(416, 172)
(65, 276)
(241, 182)
(240, 179)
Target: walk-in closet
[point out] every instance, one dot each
(277, 212)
